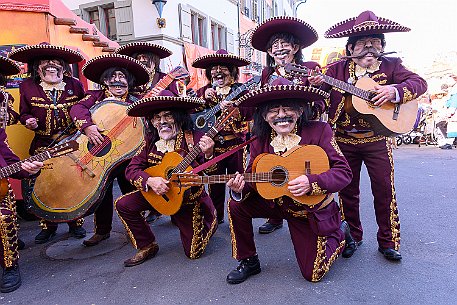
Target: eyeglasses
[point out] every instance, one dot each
(373, 41)
(276, 110)
(280, 44)
(157, 118)
(220, 68)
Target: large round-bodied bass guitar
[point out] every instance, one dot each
(72, 186)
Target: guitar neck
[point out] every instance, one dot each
(248, 177)
(16, 167)
(229, 97)
(163, 83)
(363, 94)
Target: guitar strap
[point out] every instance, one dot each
(221, 157)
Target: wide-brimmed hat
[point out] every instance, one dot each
(166, 100)
(305, 33)
(367, 23)
(143, 47)
(8, 67)
(221, 57)
(28, 54)
(95, 67)
(282, 90)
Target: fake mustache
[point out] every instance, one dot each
(371, 50)
(281, 52)
(286, 119)
(58, 68)
(117, 84)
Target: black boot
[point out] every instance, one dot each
(351, 245)
(44, 236)
(269, 227)
(247, 267)
(11, 279)
(77, 232)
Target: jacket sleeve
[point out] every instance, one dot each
(135, 170)
(10, 157)
(409, 84)
(80, 112)
(24, 104)
(339, 175)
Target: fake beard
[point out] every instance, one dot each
(51, 74)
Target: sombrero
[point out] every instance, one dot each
(221, 57)
(143, 47)
(28, 54)
(166, 100)
(305, 33)
(95, 67)
(8, 67)
(367, 23)
(282, 90)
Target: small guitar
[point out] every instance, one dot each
(205, 119)
(172, 163)
(271, 173)
(386, 120)
(177, 73)
(53, 152)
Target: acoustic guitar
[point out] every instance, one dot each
(389, 119)
(205, 119)
(172, 163)
(271, 173)
(54, 152)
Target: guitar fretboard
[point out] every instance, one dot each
(248, 177)
(16, 167)
(363, 94)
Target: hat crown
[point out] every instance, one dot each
(281, 81)
(221, 52)
(367, 18)
(166, 93)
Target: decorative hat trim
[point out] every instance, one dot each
(42, 47)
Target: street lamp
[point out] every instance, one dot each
(159, 4)
(297, 4)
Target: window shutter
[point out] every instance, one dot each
(78, 13)
(124, 20)
(230, 41)
(185, 18)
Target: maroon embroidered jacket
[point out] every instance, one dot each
(8, 157)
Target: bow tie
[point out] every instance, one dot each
(284, 143)
(165, 146)
(359, 71)
(49, 87)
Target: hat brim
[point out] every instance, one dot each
(210, 60)
(305, 33)
(282, 93)
(347, 28)
(95, 67)
(145, 106)
(28, 54)
(143, 47)
(8, 67)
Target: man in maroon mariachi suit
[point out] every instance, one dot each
(8, 67)
(222, 70)
(356, 136)
(172, 131)
(283, 38)
(117, 74)
(282, 122)
(46, 99)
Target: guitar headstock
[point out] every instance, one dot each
(297, 70)
(185, 179)
(63, 149)
(179, 72)
(228, 116)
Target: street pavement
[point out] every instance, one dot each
(64, 272)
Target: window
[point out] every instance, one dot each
(218, 36)
(254, 11)
(111, 32)
(104, 18)
(198, 26)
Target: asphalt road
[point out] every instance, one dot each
(64, 272)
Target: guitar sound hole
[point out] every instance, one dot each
(100, 150)
(279, 176)
(200, 122)
(169, 172)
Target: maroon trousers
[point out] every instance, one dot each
(315, 254)
(9, 254)
(378, 159)
(196, 222)
(230, 165)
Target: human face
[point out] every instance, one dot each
(117, 84)
(221, 76)
(368, 48)
(145, 60)
(165, 124)
(282, 118)
(283, 52)
(50, 71)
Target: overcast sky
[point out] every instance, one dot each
(433, 24)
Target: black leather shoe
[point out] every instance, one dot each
(267, 228)
(446, 146)
(246, 268)
(95, 239)
(44, 236)
(11, 279)
(77, 232)
(351, 245)
(20, 244)
(390, 254)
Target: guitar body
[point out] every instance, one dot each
(71, 186)
(169, 203)
(201, 123)
(382, 118)
(3, 188)
(296, 162)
